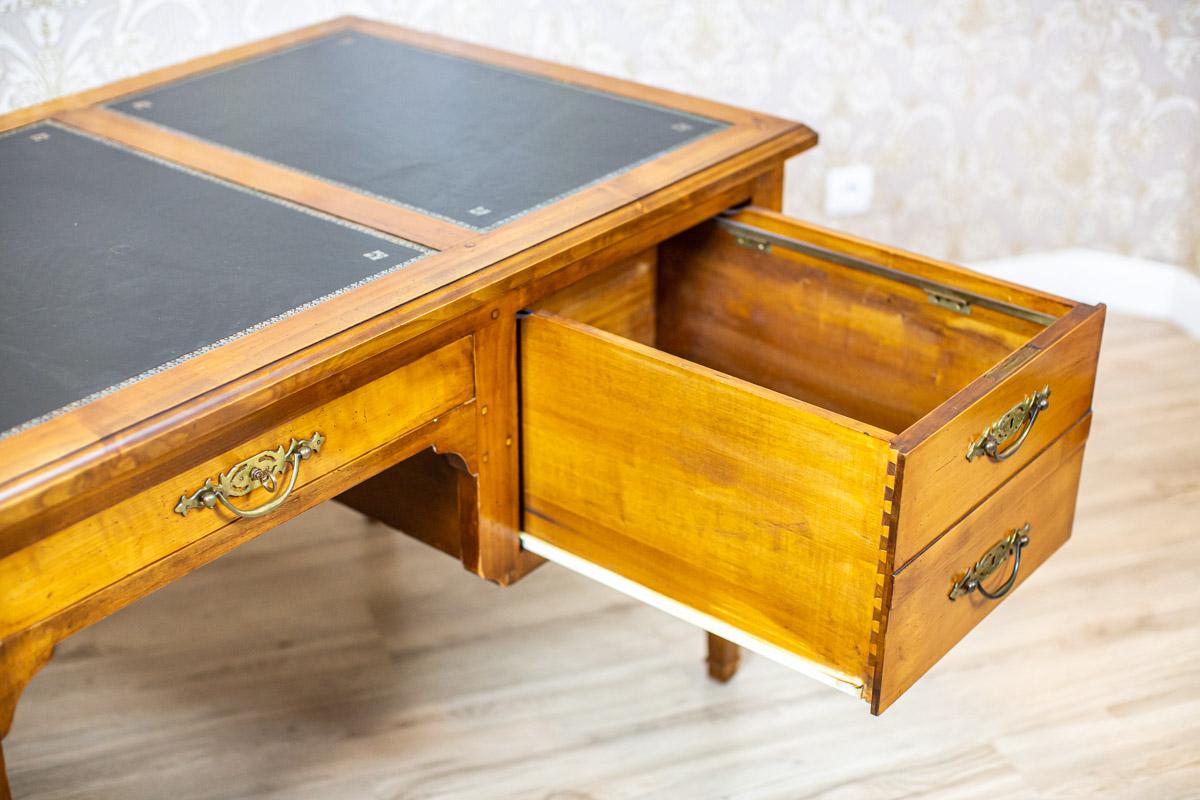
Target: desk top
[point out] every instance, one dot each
(117, 266)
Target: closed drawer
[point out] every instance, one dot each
(933, 603)
(759, 463)
(52, 573)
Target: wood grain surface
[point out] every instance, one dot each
(923, 623)
(620, 299)
(81, 491)
(22, 655)
(334, 659)
(101, 442)
(723, 658)
(265, 176)
(48, 576)
(939, 484)
(864, 346)
(732, 499)
(783, 523)
(906, 261)
(431, 497)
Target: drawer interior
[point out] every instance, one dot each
(856, 332)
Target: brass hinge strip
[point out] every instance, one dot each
(940, 294)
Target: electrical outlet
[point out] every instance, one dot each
(849, 190)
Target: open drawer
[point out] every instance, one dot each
(816, 415)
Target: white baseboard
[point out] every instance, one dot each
(1127, 285)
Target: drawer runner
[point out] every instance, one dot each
(845, 683)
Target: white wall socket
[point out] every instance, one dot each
(849, 190)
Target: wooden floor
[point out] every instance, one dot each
(334, 659)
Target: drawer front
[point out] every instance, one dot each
(945, 469)
(54, 572)
(734, 500)
(923, 622)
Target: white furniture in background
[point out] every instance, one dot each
(1128, 285)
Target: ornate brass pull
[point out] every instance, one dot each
(991, 561)
(257, 471)
(1024, 413)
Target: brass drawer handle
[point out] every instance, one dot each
(991, 561)
(257, 471)
(1024, 413)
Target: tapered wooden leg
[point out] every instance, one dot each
(722, 658)
(20, 657)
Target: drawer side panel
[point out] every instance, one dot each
(736, 501)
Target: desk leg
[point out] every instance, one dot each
(496, 555)
(20, 657)
(722, 658)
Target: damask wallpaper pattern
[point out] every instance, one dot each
(994, 127)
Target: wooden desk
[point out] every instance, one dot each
(505, 307)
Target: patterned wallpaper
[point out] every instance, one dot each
(994, 126)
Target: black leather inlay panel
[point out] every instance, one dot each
(469, 142)
(113, 264)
